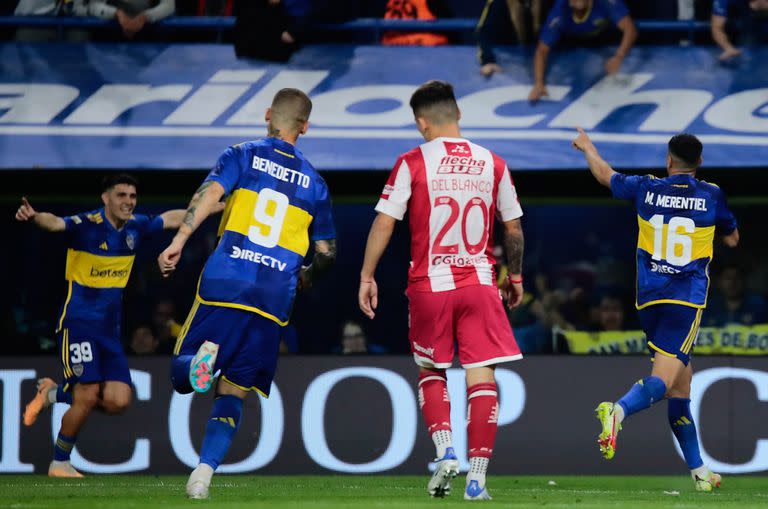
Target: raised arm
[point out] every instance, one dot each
(514, 243)
(43, 220)
(173, 219)
(378, 239)
(203, 203)
(628, 38)
(600, 169)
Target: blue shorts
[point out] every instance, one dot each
(249, 344)
(88, 358)
(671, 329)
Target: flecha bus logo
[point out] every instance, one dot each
(457, 149)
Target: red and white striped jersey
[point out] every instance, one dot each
(453, 189)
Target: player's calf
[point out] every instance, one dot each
(483, 416)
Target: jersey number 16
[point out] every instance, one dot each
(675, 242)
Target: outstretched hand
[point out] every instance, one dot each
(582, 141)
(25, 212)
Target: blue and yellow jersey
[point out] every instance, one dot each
(678, 217)
(561, 20)
(99, 263)
(276, 204)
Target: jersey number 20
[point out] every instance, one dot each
(675, 242)
(269, 213)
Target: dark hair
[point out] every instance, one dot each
(111, 181)
(687, 148)
(435, 99)
(291, 106)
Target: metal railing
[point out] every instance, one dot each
(373, 26)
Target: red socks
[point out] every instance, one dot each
(482, 419)
(434, 402)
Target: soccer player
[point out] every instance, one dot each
(276, 204)
(583, 19)
(452, 189)
(679, 217)
(102, 247)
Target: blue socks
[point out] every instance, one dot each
(63, 447)
(642, 395)
(222, 426)
(180, 373)
(681, 422)
(63, 397)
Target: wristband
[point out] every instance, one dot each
(515, 281)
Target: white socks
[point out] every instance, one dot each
(203, 473)
(702, 473)
(443, 440)
(618, 412)
(478, 466)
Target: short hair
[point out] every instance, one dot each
(291, 108)
(111, 181)
(435, 101)
(686, 148)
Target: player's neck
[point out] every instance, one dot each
(681, 171)
(447, 131)
(114, 221)
(282, 134)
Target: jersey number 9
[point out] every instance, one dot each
(679, 246)
(269, 213)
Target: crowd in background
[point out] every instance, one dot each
(274, 29)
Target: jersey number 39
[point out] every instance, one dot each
(269, 213)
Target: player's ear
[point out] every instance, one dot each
(458, 114)
(421, 124)
(699, 162)
(105, 197)
(268, 115)
(304, 128)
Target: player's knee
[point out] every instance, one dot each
(117, 404)
(86, 397)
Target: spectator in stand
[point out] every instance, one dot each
(143, 342)
(425, 10)
(488, 27)
(354, 342)
(132, 15)
(270, 29)
(583, 19)
(731, 303)
(166, 328)
(721, 11)
(610, 313)
(50, 8)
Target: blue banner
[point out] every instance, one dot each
(179, 106)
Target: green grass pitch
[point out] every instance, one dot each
(235, 492)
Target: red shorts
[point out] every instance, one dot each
(472, 316)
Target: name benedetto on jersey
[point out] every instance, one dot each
(678, 218)
(452, 189)
(276, 204)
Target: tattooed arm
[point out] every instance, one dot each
(514, 243)
(325, 256)
(204, 202)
